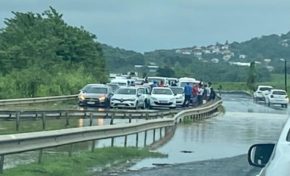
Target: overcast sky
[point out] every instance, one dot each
(145, 25)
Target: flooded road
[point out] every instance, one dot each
(230, 134)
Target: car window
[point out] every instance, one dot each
(97, 90)
(279, 93)
(265, 89)
(126, 91)
(177, 90)
(288, 136)
(141, 90)
(162, 91)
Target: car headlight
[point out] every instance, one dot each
(82, 97)
(102, 98)
(153, 98)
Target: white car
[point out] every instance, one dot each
(277, 96)
(162, 97)
(128, 97)
(179, 95)
(274, 158)
(261, 93)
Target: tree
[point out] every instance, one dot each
(38, 50)
(251, 82)
(166, 72)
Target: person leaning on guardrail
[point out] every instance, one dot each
(187, 94)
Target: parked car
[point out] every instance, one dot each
(95, 95)
(145, 91)
(128, 97)
(261, 92)
(162, 97)
(179, 95)
(273, 158)
(277, 96)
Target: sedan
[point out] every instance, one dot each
(162, 97)
(277, 96)
(179, 95)
(95, 95)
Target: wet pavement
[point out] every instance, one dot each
(230, 134)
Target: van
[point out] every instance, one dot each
(120, 82)
(182, 81)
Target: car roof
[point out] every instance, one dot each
(278, 90)
(97, 85)
(264, 86)
(161, 88)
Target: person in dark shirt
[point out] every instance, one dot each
(187, 94)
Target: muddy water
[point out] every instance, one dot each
(243, 124)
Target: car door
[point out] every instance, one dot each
(141, 95)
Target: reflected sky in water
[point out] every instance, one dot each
(243, 124)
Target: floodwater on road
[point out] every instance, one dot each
(230, 134)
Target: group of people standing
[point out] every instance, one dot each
(198, 94)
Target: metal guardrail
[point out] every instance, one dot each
(16, 143)
(36, 100)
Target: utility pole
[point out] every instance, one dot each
(285, 72)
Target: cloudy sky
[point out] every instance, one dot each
(145, 25)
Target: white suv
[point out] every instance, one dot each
(277, 96)
(261, 92)
(274, 158)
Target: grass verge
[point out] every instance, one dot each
(80, 164)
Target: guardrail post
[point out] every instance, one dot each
(125, 141)
(43, 120)
(160, 133)
(112, 118)
(112, 142)
(40, 156)
(162, 115)
(91, 119)
(145, 138)
(130, 118)
(70, 150)
(66, 119)
(17, 121)
(154, 131)
(1, 163)
(93, 145)
(137, 139)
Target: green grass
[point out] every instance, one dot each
(80, 164)
(277, 81)
(9, 126)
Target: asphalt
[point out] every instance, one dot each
(234, 166)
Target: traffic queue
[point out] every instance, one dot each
(150, 92)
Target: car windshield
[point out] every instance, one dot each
(158, 80)
(162, 91)
(114, 87)
(279, 93)
(96, 90)
(126, 91)
(265, 88)
(177, 90)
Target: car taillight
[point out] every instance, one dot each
(272, 96)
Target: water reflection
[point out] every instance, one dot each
(227, 135)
